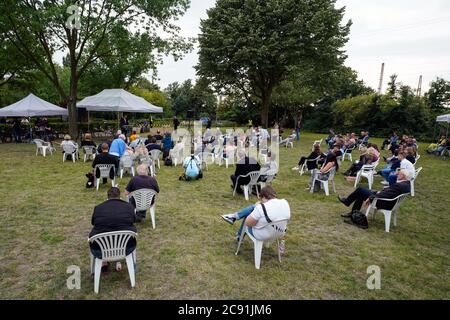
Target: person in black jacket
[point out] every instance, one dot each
(106, 158)
(243, 167)
(113, 215)
(361, 195)
(311, 164)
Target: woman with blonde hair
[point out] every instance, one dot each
(367, 157)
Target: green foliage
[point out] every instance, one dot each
(438, 97)
(251, 46)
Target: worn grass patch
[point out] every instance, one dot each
(46, 211)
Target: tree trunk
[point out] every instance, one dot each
(72, 105)
(265, 107)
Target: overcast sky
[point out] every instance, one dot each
(411, 36)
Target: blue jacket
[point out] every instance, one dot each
(118, 148)
(167, 143)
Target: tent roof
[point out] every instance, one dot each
(118, 100)
(32, 106)
(444, 118)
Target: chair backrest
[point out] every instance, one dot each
(89, 150)
(254, 177)
(104, 169)
(68, 148)
(39, 143)
(270, 178)
(113, 244)
(280, 228)
(155, 154)
(143, 198)
(416, 174)
(126, 161)
(400, 199)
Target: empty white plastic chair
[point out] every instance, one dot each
(143, 199)
(104, 170)
(413, 179)
(254, 177)
(155, 155)
(280, 228)
(126, 163)
(368, 172)
(387, 213)
(324, 182)
(42, 147)
(113, 247)
(89, 152)
(228, 157)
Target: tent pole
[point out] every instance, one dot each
(118, 120)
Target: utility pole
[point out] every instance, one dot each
(419, 87)
(380, 87)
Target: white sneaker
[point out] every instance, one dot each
(384, 183)
(295, 168)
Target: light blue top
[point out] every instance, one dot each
(118, 148)
(192, 167)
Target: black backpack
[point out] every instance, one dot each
(359, 219)
(168, 162)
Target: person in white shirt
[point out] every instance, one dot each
(406, 165)
(67, 142)
(254, 215)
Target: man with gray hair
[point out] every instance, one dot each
(141, 181)
(361, 195)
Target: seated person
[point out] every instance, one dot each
(99, 147)
(243, 167)
(87, 142)
(391, 141)
(158, 136)
(366, 158)
(270, 168)
(291, 137)
(133, 136)
(106, 158)
(372, 149)
(113, 215)
(192, 169)
(153, 145)
(405, 165)
(167, 144)
(68, 142)
(311, 164)
(360, 195)
(393, 163)
(118, 147)
(141, 181)
(330, 162)
(255, 215)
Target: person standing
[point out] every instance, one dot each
(176, 123)
(123, 124)
(297, 129)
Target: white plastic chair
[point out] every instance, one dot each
(113, 246)
(42, 147)
(269, 180)
(368, 172)
(348, 153)
(230, 158)
(143, 199)
(254, 176)
(290, 142)
(155, 155)
(126, 163)
(218, 154)
(204, 156)
(413, 193)
(280, 232)
(70, 150)
(147, 160)
(387, 213)
(304, 167)
(104, 169)
(323, 182)
(89, 152)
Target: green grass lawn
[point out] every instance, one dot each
(45, 214)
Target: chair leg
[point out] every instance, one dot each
(258, 253)
(395, 218)
(132, 171)
(325, 187)
(241, 239)
(91, 264)
(152, 215)
(387, 220)
(412, 189)
(278, 248)
(121, 173)
(246, 192)
(130, 267)
(97, 182)
(97, 273)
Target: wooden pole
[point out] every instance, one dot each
(380, 86)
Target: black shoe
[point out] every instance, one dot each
(139, 219)
(343, 200)
(346, 215)
(105, 269)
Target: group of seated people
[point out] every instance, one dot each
(440, 147)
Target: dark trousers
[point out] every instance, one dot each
(358, 197)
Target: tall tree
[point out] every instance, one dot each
(251, 45)
(438, 97)
(38, 30)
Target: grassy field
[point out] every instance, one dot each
(45, 214)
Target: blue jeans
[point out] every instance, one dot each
(392, 179)
(297, 133)
(386, 172)
(243, 214)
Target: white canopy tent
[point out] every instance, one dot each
(117, 100)
(446, 119)
(32, 106)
